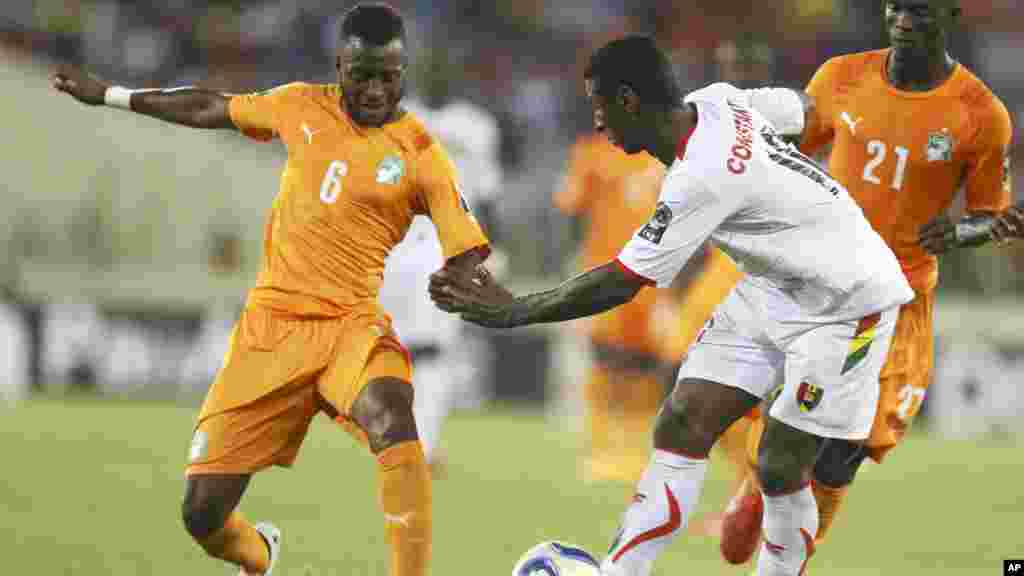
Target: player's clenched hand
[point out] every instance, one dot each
(80, 85)
(938, 236)
(976, 229)
(1009, 224)
(474, 296)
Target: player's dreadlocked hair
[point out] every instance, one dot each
(375, 23)
(635, 61)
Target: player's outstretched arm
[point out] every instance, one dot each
(479, 299)
(186, 106)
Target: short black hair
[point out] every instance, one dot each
(637, 62)
(375, 23)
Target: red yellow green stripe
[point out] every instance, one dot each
(861, 342)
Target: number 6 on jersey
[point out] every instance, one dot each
(330, 189)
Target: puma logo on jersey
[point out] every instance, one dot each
(851, 122)
(309, 132)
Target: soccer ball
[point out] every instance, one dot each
(556, 559)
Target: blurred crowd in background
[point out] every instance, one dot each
(520, 59)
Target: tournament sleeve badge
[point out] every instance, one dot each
(656, 226)
(940, 146)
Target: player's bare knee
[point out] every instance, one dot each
(203, 516)
(209, 501)
(682, 423)
(838, 462)
(384, 411)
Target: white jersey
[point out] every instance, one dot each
(470, 135)
(789, 226)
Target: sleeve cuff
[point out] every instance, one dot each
(484, 250)
(632, 274)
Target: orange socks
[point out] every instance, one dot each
(406, 502)
(239, 543)
(830, 500)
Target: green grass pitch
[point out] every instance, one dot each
(93, 487)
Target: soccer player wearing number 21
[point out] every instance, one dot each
(312, 336)
(813, 314)
(909, 126)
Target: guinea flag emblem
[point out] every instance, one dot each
(861, 342)
(808, 396)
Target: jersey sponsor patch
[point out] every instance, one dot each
(656, 226)
(940, 146)
(390, 170)
(808, 396)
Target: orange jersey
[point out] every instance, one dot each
(617, 193)
(347, 196)
(904, 155)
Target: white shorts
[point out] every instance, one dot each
(828, 371)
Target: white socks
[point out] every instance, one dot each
(668, 491)
(790, 524)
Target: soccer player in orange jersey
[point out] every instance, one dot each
(634, 348)
(615, 194)
(909, 126)
(312, 336)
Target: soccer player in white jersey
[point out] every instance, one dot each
(813, 316)
(442, 369)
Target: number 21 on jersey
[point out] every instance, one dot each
(330, 188)
(878, 151)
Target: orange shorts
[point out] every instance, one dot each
(304, 367)
(905, 376)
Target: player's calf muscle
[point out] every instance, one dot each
(785, 458)
(838, 462)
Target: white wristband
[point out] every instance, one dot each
(118, 97)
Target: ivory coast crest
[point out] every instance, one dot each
(940, 146)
